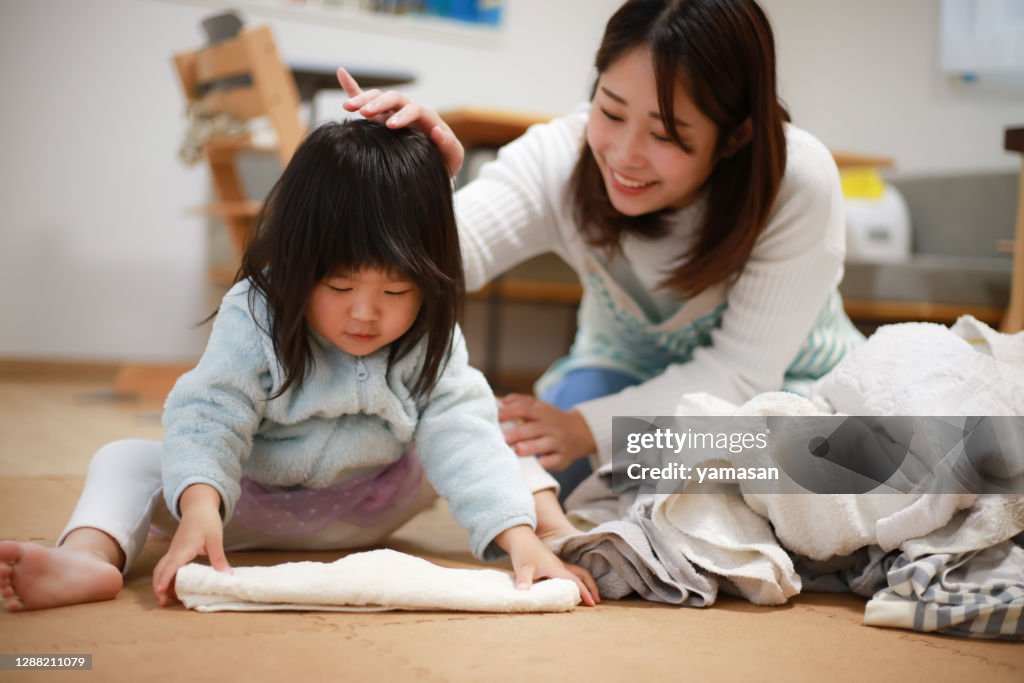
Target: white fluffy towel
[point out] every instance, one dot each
(373, 581)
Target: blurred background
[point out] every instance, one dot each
(102, 261)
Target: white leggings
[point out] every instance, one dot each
(123, 496)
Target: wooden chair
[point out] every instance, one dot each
(242, 77)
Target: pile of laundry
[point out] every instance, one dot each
(930, 560)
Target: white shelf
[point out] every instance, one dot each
(419, 27)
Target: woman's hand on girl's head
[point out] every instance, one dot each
(533, 561)
(396, 110)
(557, 437)
(199, 533)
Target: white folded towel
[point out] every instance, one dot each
(373, 581)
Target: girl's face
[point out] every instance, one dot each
(644, 170)
(364, 311)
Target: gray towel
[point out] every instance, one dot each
(621, 560)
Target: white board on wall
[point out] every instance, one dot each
(983, 39)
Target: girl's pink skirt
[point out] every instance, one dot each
(364, 501)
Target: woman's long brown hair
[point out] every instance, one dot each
(723, 53)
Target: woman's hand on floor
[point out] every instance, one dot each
(557, 437)
(396, 110)
(533, 561)
(200, 532)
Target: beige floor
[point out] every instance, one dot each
(50, 428)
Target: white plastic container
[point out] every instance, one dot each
(878, 230)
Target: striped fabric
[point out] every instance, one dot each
(831, 337)
(930, 595)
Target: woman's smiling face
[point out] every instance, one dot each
(644, 170)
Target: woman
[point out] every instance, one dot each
(707, 231)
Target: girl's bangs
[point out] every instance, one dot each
(386, 240)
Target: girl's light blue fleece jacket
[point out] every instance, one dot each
(352, 414)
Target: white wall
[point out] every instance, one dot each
(864, 76)
(98, 259)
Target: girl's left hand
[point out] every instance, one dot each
(532, 561)
(557, 437)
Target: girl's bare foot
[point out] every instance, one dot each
(35, 577)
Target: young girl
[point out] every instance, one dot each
(334, 370)
(706, 230)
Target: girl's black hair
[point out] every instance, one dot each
(358, 195)
(723, 53)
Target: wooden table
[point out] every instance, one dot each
(312, 77)
(1014, 320)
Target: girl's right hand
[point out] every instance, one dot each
(199, 533)
(396, 111)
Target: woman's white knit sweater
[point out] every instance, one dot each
(779, 325)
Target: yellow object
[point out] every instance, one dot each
(862, 182)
